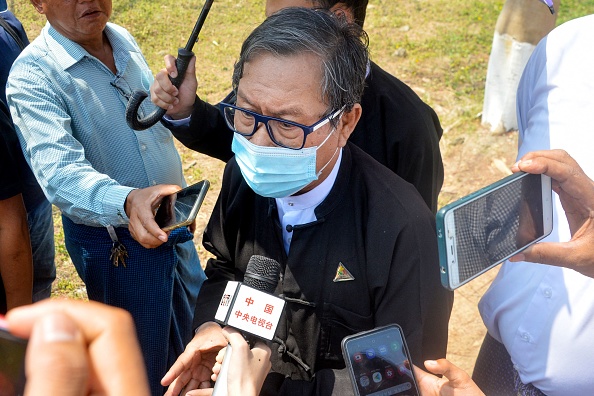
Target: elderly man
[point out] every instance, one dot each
(356, 243)
(396, 128)
(68, 93)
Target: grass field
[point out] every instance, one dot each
(440, 48)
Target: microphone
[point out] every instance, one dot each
(262, 275)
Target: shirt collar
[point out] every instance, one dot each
(68, 53)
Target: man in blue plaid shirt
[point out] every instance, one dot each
(68, 92)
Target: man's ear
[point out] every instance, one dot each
(347, 123)
(38, 4)
(341, 8)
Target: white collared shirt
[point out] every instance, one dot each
(299, 209)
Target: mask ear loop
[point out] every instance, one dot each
(330, 160)
(324, 142)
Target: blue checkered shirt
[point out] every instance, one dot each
(69, 113)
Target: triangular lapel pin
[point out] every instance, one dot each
(342, 274)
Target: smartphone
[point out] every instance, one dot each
(379, 362)
(180, 208)
(487, 227)
(12, 363)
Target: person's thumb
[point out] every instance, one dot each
(56, 361)
(447, 369)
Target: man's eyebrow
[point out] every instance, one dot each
(290, 111)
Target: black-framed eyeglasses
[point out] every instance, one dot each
(283, 133)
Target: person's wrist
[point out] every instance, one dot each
(180, 114)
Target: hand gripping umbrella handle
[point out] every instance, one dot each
(184, 56)
(183, 59)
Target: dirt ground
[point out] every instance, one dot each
(471, 161)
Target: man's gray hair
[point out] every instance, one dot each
(341, 47)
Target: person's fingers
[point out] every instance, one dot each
(552, 253)
(560, 166)
(428, 383)
(140, 206)
(235, 338)
(216, 369)
(200, 392)
(170, 65)
(445, 368)
(178, 375)
(457, 378)
(191, 70)
(56, 362)
(113, 349)
(261, 352)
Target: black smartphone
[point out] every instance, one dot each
(379, 362)
(180, 208)
(12, 363)
(481, 230)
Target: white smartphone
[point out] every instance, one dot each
(379, 362)
(180, 208)
(487, 227)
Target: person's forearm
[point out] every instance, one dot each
(16, 264)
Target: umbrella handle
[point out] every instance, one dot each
(183, 60)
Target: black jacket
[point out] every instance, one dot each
(396, 128)
(372, 222)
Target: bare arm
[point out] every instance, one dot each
(16, 263)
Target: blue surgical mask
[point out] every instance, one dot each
(276, 172)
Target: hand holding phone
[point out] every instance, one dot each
(378, 360)
(180, 208)
(492, 224)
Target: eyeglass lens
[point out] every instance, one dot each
(282, 133)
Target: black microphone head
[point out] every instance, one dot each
(262, 273)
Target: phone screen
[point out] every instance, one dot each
(12, 364)
(379, 363)
(493, 227)
(180, 208)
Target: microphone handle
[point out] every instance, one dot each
(220, 388)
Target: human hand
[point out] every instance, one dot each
(576, 193)
(178, 102)
(248, 367)
(140, 207)
(79, 348)
(193, 368)
(455, 381)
